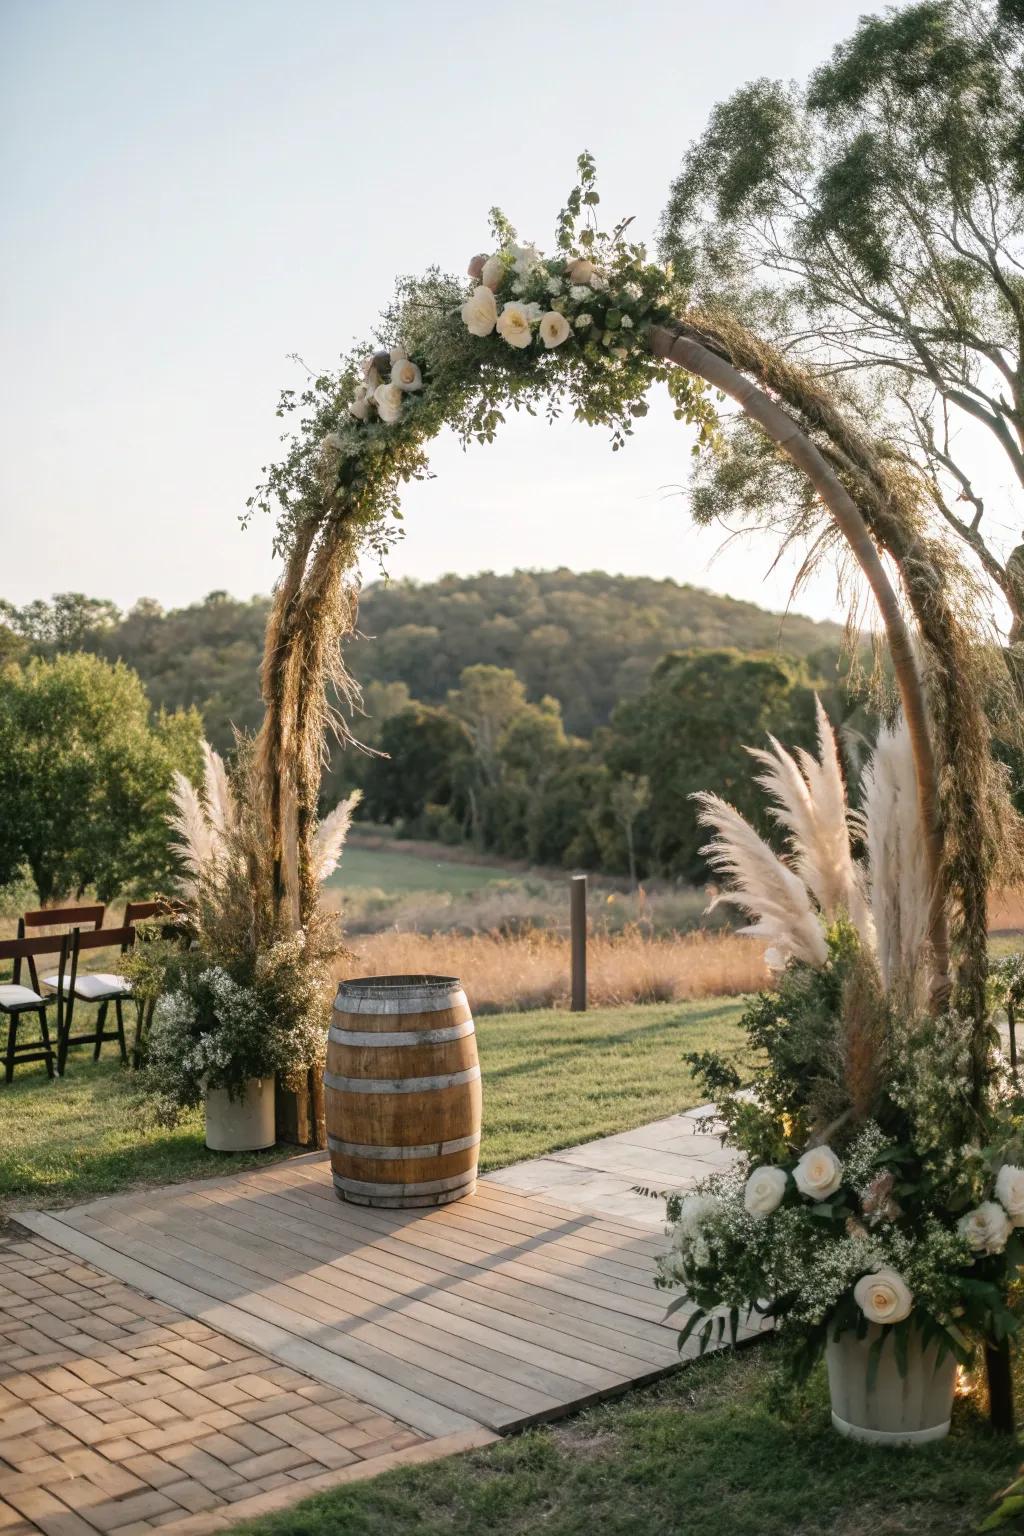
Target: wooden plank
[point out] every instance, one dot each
(438, 1378)
(409, 1407)
(387, 1258)
(454, 1312)
(624, 1293)
(489, 1209)
(264, 1254)
(636, 1301)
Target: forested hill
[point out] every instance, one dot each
(588, 638)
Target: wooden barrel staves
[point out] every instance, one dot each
(403, 1092)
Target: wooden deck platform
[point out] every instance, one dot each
(499, 1310)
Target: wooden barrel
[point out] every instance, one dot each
(402, 1090)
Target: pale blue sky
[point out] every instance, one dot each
(193, 189)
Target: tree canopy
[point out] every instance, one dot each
(872, 221)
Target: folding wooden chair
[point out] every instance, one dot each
(17, 1000)
(101, 987)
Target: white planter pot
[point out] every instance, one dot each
(897, 1410)
(245, 1123)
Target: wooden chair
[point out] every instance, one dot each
(17, 1000)
(141, 911)
(66, 918)
(101, 987)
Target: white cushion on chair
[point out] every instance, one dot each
(12, 998)
(94, 988)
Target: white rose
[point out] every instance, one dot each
(580, 270)
(406, 375)
(388, 400)
(514, 325)
(1010, 1193)
(525, 257)
(986, 1228)
(597, 282)
(883, 1297)
(764, 1190)
(554, 328)
(818, 1174)
(480, 312)
(578, 293)
(493, 274)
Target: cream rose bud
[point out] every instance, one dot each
(986, 1228)
(388, 400)
(1010, 1192)
(396, 354)
(476, 267)
(818, 1174)
(514, 325)
(764, 1190)
(480, 312)
(359, 406)
(883, 1297)
(406, 375)
(493, 274)
(554, 328)
(580, 271)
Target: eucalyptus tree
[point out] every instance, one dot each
(871, 222)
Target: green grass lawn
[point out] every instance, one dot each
(711, 1451)
(399, 873)
(550, 1079)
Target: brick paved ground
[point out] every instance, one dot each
(118, 1414)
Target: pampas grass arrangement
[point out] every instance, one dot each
(795, 898)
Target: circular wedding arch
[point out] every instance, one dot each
(598, 324)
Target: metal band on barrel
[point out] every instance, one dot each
(425, 1187)
(377, 1153)
(404, 1037)
(399, 1084)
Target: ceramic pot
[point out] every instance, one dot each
(896, 1410)
(244, 1123)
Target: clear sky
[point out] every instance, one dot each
(194, 189)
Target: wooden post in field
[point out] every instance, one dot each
(578, 941)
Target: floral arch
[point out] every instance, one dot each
(593, 327)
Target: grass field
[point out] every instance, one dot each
(394, 871)
(551, 1079)
(711, 1451)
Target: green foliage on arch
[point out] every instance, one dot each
(526, 332)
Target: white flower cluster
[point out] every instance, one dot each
(517, 322)
(388, 377)
(987, 1228)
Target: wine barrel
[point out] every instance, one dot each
(402, 1091)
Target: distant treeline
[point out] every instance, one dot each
(560, 717)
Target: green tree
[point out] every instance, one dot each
(424, 751)
(87, 775)
(688, 732)
(873, 222)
